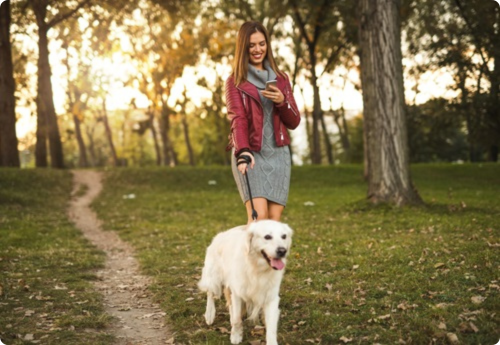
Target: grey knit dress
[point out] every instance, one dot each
(270, 178)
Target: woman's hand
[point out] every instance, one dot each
(243, 167)
(274, 94)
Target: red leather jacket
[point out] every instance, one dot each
(246, 114)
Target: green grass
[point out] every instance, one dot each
(371, 274)
(46, 266)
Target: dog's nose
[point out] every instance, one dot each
(281, 252)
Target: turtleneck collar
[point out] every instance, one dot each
(259, 77)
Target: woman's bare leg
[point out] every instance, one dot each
(274, 210)
(261, 206)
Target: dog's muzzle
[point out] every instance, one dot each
(276, 263)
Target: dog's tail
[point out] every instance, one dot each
(210, 278)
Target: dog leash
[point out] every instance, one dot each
(245, 159)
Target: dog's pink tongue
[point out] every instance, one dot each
(277, 264)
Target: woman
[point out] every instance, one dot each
(259, 119)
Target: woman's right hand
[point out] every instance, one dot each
(244, 167)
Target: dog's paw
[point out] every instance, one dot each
(236, 337)
(209, 317)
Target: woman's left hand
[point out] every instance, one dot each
(274, 95)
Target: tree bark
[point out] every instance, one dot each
(389, 178)
(47, 118)
(185, 128)
(328, 144)
(9, 154)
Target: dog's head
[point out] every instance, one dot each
(272, 240)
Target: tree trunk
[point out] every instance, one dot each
(82, 159)
(155, 136)
(109, 134)
(45, 102)
(389, 178)
(185, 128)
(328, 144)
(9, 154)
(317, 113)
(90, 136)
(169, 156)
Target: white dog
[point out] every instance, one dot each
(247, 262)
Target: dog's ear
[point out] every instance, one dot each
(250, 234)
(288, 230)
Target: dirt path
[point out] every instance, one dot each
(139, 320)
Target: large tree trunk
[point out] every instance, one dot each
(9, 155)
(384, 105)
(45, 102)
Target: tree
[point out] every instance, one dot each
(9, 155)
(47, 126)
(326, 29)
(384, 104)
(463, 37)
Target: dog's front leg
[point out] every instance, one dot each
(271, 314)
(236, 322)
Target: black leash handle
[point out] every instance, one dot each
(245, 159)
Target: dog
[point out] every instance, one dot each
(247, 263)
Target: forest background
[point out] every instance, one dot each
(138, 83)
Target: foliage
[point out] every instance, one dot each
(357, 272)
(435, 132)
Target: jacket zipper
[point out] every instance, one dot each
(281, 134)
(244, 101)
(288, 102)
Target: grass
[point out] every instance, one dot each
(46, 266)
(358, 273)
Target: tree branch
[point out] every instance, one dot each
(59, 18)
(302, 25)
(473, 32)
(332, 58)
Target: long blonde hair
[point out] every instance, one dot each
(241, 55)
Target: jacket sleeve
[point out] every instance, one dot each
(288, 110)
(237, 116)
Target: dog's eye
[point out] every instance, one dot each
(268, 237)
(283, 237)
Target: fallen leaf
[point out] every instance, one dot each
(258, 330)
(329, 287)
(223, 330)
(355, 267)
(29, 337)
(300, 323)
(345, 339)
(29, 312)
(189, 299)
(439, 265)
(477, 299)
(170, 341)
(308, 281)
(452, 338)
(384, 317)
(442, 326)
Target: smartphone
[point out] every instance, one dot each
(271, 82)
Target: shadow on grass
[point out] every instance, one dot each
(365, 206)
